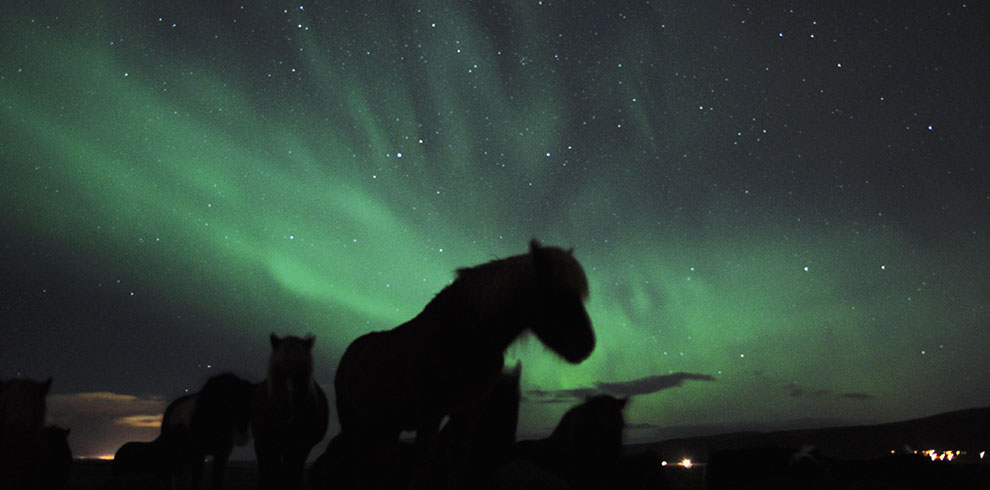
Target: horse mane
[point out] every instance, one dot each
(493, 285)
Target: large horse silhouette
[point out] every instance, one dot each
(446, 359)
(584, 449)
(289, 414)
(22, 419)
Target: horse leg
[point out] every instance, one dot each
(456, 454)
(196, 469)
(426, 452)
(295, 468)
(219, 463)
(267, 467)
(368, 460)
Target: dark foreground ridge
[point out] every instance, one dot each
(857, 469)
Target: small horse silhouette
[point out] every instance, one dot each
(22, 419)
(147, 460)
(219, 421)
(163, 457)
(476, 443)
(289, 413)
(585, 448)
(209, 422)
(447, 358)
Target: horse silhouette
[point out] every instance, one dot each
(209, 422)
(584, 449)
(475, 443)
(56, 457)
(289, 413)
(153, 459)
(447, 358)
(219, 420)
(22, 419)
(162, 457)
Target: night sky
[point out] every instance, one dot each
(783, 210)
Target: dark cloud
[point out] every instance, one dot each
(640, 386)
(558, 396)
(100, 422)
(104, 405)
(797, 392)
(857, 396)
(651, 384)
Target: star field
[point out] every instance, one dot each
(785, 205)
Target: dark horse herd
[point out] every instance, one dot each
(441, 375)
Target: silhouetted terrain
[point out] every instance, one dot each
(859, 450)
(960, 430)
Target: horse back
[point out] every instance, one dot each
(221, 415)
(371, 384)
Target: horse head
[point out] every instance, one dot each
(561, 288)
(593, 428)
(22, 403)
(290, 369)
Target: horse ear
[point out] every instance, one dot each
(570, 251)
(623, 402)
(534, 246)
(274, 339)
(310, 339)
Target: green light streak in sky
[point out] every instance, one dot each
(254, 193)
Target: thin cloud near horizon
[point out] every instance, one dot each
(121, 409)
(639, 386)
(794, 391)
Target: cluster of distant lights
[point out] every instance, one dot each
(685, 463)
(935, 455)
(944, 455)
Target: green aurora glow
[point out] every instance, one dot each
(335, 190)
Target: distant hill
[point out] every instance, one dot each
(967, 430)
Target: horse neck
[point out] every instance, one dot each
(495, 315)
(303, 385)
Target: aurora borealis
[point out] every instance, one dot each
(793, 202)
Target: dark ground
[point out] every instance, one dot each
(95, 475)
(856, 458)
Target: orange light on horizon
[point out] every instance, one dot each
(686, 462)
(102, 457)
